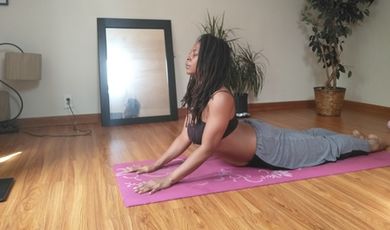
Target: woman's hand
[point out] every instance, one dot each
(142, 169)
(152, 186)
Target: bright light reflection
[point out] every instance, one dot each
(8, 157)
(120, 75)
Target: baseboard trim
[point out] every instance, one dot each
(370, 108)
(253, 107)
(270, 106)
(353, 105)
(58, 120)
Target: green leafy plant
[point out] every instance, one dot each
(330, 23)
(215, 25)
(247, 69)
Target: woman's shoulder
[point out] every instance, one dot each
(222, 98)
(222, 91)
(221, 103)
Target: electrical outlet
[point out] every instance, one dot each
(68, 102)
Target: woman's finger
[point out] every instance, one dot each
(141, 189)
(129, 170)
(155, 189)
(141, 170)
(134, 169)
(139, 186)
(144, 187)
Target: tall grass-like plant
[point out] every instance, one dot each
(246, 73)
(248, 70)
(214, 25)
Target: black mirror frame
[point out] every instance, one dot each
(103, 24)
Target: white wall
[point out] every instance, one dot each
(368, 53)
(64, 32)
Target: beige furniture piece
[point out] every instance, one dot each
(4, 105)
(18, 66)
(22, 66)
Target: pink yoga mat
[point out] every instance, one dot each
(216, 176)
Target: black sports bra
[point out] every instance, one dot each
(195, 131)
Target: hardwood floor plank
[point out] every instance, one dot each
(68, 183)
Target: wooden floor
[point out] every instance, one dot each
(67, 183)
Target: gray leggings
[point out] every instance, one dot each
(287, 148)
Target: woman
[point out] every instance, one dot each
(212, 124)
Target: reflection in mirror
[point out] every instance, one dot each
(136, 71)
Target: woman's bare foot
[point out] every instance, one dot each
(358, 134)
(376, 144)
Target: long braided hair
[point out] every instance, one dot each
(211, 73)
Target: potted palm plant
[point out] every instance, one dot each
(247, 76)
(246, 73)
(215, 25)
(330, 23)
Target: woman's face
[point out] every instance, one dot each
(192, 59)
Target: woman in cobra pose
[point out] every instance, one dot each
(211, 123)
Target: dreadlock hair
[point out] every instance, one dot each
(211, 72)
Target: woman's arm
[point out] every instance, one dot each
(219, 115)
(178, 146)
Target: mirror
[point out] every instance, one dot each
(136, 69)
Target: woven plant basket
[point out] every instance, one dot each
(329, 102)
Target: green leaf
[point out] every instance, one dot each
(331, 21)
(341, 68)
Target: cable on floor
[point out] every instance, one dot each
(77, 131)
